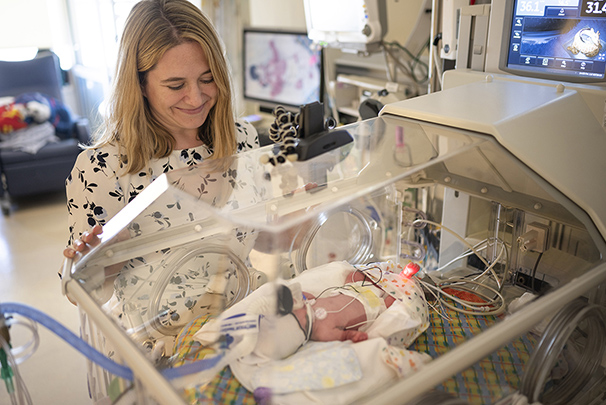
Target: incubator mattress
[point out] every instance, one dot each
(484, 383)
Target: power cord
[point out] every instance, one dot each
(9, 363)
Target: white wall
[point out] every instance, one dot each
(284, 14)
(401, 19)
(289, 14)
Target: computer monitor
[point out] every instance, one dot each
(555, 39)
(281, 68)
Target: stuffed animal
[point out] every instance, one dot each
(15, 116)
(34, 108)
(36, 112)
(58, 113)
(11, 118)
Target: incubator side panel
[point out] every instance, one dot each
(423, 236)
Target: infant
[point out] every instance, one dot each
(345, 312)
(340, 313)
(334, 302)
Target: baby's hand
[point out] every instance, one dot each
(89, 240)
(355, 335)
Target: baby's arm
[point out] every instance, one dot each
(328, 334)
(337, 317)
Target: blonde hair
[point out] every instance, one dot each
(152, 28)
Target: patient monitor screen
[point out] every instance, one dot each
(560, 39)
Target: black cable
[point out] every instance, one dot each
(437, 39)
(534, 271)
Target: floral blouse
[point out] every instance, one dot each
(96, 192)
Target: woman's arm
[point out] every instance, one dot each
(94, 195)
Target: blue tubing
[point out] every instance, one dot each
(93, 354)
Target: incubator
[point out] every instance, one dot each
(499, 204)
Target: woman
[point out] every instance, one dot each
(171, 108)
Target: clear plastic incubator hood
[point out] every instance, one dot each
(246, 282)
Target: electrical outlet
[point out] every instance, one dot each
(542, 232)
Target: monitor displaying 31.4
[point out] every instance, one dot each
(558, 39)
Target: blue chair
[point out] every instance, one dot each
(26, 174)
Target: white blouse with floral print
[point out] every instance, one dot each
(96, 192)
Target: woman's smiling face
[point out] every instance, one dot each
(181, 91)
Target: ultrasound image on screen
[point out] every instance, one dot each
(281, 68)
(565, 38)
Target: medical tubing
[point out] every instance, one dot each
(19, 394)
(483, 308)
(489, 268)
(22, 353)
(91, 353)
(463, 255)
(7, 372)
(461, 287)
(552, 343)
(69, 337)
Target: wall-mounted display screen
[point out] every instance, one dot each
(557, 39)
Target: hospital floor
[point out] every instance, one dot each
(32, 239)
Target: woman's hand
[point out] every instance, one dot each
(89, 240)
(82, 246)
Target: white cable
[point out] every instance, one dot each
(438, 68)
(468, 252)
(490, 268)
(461, 287)
(456, 235)
(25, 351)
(482, 308)
(470, 246)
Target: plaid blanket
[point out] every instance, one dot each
(485, 382)
(224, 388)
(491, 378)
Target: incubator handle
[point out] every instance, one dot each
(66, 275)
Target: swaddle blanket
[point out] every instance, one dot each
(322, 372)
